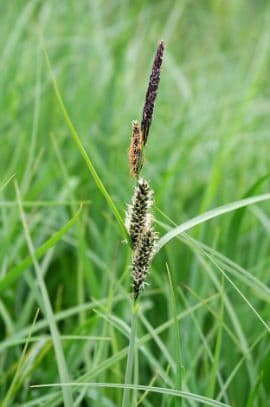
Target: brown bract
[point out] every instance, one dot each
(135, 150)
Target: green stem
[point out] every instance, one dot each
(215, 365)
(131, 351)
(177, 341)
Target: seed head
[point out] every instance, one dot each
(135, 150)
(138, 216)
(141, 260)
(151, 93)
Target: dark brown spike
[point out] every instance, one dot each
(151, 93)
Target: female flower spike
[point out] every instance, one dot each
(141, 260)
(139, 212)
(142, 235)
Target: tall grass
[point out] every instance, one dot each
(207, 159)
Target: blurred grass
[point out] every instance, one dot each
(208, 146)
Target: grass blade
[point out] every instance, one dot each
(130, 358)
(26, 342)
(215, 365)
(16, 271)
(106, 364)
(6, 182)
(177, 341)
(169, 392)
(235, 224)
(59, 353)
(81, 148)
(213, 213)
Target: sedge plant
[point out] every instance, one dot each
(139, 221)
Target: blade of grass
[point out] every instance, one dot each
(106, 364)
(253, 395)
(16, 271)
(147, 355)
(238, 271)
(211, 259)
(264, 323)
(43, 324)
(213, 213)
(59, 353)
(6, 182)
(81, 148)
(6, 401)
(162, 347)
(240, 363)
(227, 263)
(17, 29)
(83, 262)
(144, 395)
(36, 116)
(194, 245)
(235, 224)
(63, 338)
(215, 365)
(177, 341)
(229, 307)
(6, 318)
(204, 339)
(130, 358)
(31, 204)
(170, 392)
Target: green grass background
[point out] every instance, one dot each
(208, 146)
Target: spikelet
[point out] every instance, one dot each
(151, 93)
(141, 260)
(138, 216)
(142, 234)
(135, 150)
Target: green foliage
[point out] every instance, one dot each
(65, 125)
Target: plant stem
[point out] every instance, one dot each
(177, 341)
(131, 350)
